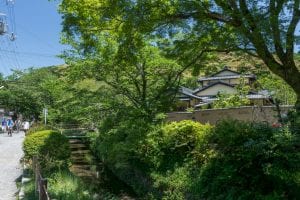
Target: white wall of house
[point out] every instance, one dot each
(232, 81)
(226, 73)
(214, 90)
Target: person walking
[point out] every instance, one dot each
(10, 125)
(18, 124)
(4, 125)
(26, 126)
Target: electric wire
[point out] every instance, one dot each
(13, 32)
(11, 57)
(9, 62)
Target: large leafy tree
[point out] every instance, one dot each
(266, 29)
(144, 80)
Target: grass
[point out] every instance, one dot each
(29, 189)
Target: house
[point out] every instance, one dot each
(224, 81)
(187, 99)
(227, 76)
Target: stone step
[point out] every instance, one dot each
(81, 156)
(77, 146)
(80, 163)
(80, 152)
(83, 167)
(81, 159)
(75, 141)
(84, 173)
(125, 197)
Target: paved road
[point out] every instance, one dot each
(10, 167)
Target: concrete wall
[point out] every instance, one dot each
(212, 116)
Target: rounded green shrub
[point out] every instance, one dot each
(174, 142)
(50, 147)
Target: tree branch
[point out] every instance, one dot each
(274, 15)
(290, 37)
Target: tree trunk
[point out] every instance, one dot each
(297, 104)
(295, 117)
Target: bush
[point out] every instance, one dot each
(173, 143)
(189, 160)
(66, 186)
(51, 147)
(117, 145)
(234, 160)
(36, 128)
(170, 151)
(252, 161)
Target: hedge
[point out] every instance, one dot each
(50, 146)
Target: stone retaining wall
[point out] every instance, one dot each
(212, 116)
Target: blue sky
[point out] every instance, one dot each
(37, 25)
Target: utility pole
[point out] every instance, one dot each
(45, 111)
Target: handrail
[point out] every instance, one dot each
(41, 184)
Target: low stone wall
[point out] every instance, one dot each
(248, 113)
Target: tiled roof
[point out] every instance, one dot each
(226, 77)
(223, 70)
(257, 96)
(188, 92)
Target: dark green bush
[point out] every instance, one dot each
(50, 146)
(117, 145)
(234, 160)
(252, 161)
(188, 160)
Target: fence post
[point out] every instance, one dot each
(43, 189)
(36, 174)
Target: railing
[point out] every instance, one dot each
(40, 182)
(74, 130)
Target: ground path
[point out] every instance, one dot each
(10, 167)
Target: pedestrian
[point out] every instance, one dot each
(10, 124)
(18, 125)
(3, 124)
(26, 126)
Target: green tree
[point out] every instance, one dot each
(265, 29)
(278, 88)
(146, 81)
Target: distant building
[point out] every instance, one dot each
(224, 81)
(228, 76)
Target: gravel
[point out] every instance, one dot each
(10, 166)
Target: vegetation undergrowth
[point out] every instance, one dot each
(53, 153)
(64, 185)
(189, 160)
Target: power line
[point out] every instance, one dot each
(37, 37)
(29, 53)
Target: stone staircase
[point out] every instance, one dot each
(84, 166)
(82, 159)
